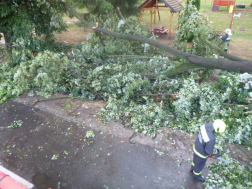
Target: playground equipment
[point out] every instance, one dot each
(154, 7)
(225, 3)
(242, 28)
(238, 15)
(159, 30)
(231, 9)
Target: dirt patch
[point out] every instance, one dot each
(241, 48)
(238, 46)
(73, 35)
(164, 39)
(240, 153)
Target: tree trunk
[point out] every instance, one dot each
(237, 65)
(7, 39)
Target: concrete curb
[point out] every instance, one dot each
(16, 178)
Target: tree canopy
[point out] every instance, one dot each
(19, 18)
(103, 7)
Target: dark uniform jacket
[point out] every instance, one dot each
(204, 144)
(225, 38)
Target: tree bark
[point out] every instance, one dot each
(239, 64)
(221, 52)
(7, 39)
(180, 69)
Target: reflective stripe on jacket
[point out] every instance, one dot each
(204, 144)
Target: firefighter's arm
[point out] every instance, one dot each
(224, 38)
(209, 148)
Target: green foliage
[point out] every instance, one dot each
(232, 175)
(65, 153)
(127, 7)
(196, 3)
(55, 157)
(16, 124)
(18, 19)
(116, 72)
(194, 28)
(68, 105)
(90, 134)
(103, 8)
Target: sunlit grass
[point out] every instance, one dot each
(221, 19)
(66, 18)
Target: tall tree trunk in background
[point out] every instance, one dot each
(7, 39)
(8, 42)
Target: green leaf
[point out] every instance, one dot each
(67, 105)
(250, 107)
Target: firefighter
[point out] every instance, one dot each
(226, 38)
(204, 146)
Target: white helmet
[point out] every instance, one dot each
(228, 31)
(219, 126)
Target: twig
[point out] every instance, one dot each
(136, 57)
(245, 106)
(133, 135)
(245, 152)
(55, 98)
(18, 137)
(118, 10)
(247, 112)
(2, 128)
(164, 94)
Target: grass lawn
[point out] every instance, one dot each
(222, 19)
(74, 33)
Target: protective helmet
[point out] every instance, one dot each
(219, 126)
(228, 31)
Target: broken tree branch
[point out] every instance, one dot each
(164, 94)
(229, 65)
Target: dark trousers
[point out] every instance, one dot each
(198, 164)
(226, 48)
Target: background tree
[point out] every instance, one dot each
(196, 3)
(127, 7)
(19, 18)
(103, 8)
(193, 27)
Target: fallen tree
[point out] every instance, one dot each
(116, 64)
(233, 63)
